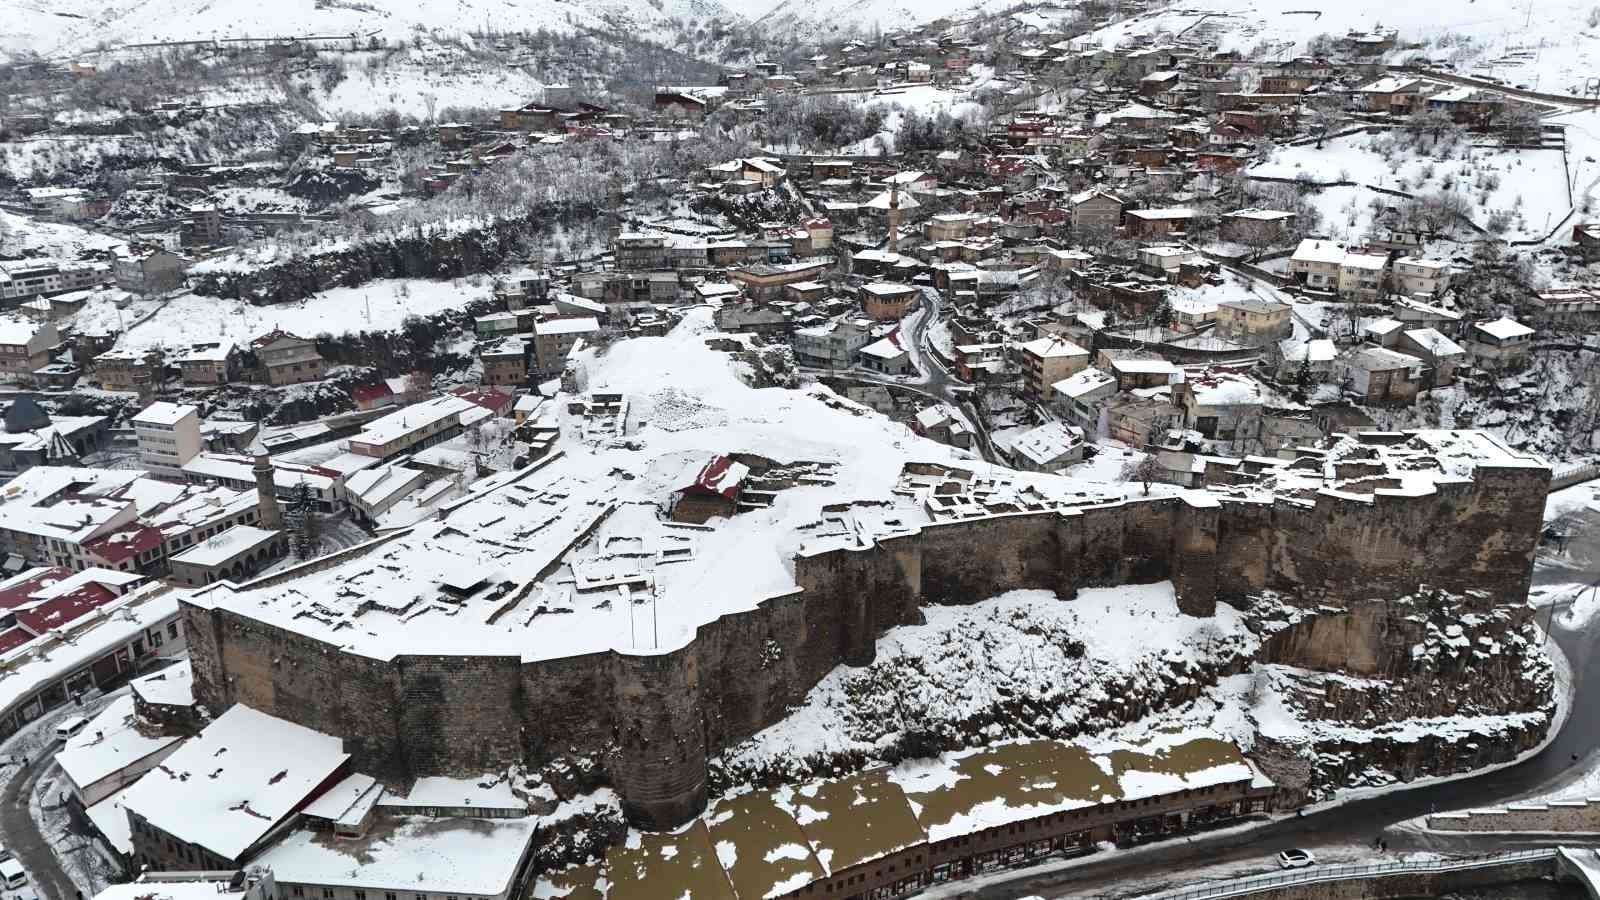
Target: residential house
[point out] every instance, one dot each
(284, 358)
(1222, 404)
(1501, 345)
(1050, 447)
(1316, 264)
(1396, 95)
(888, 355)
(150, 271)
(212, 363)
(1143, 224)
(833, 345)
(1254, 322)
(25, 347)
(1442, 355)
(1361, 275)
(1095, 211)
(1080, 398)
(1047, 360)
(1257, 227)
(1417, 277)
(505, 362)
(554, 339)
(1377, 375)
(168, 435)
(887, 302)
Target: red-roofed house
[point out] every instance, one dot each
(373, 396)
(494, 400)
(131, 548)
(714, 492)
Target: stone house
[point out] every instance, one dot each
(505, 362)
(1442, 355)
(714, 492)
(213, 363)
(887, 302)
(1257, 226)
(1254, 323)
(1050, 447)
(1377, 375)
(283, 358)
(25, 347)
(1095, 210)
(151, 272)
(1141, 224)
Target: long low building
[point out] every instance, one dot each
(894, 831)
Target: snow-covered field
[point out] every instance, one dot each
(1529, 186)
(21, 235)
(1548, 45)
(376, 306)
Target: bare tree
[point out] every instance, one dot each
(1144, 469)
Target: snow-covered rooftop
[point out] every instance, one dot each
(109, 743)
(445, 856)
(256, 769)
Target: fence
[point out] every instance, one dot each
(1569, 477)
(1318, 874)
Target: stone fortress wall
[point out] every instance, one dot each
(652, 720)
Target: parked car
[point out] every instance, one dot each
(1296, 859)
(13, 874)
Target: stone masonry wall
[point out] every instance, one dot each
(652, 720)
(1578, 816)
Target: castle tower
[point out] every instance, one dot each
(266, 488)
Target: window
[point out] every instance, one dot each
(172, 630)
(327, 893)
(297, 891)
(360, 895)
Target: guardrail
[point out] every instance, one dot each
(1318, 874)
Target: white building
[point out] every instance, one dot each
(168, 435)
(1417, 277)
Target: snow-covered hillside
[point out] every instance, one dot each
(54, 28)
(842, 18)
(1550, 45)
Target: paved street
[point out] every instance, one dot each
(22, 834)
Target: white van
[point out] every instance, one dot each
(12, 873)
(70, 727)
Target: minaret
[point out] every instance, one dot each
(894, 215)
(266, 489)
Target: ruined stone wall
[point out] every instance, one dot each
(652, 720)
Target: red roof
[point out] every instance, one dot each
(12, 638)
(369, 393)
(492, 399)
(125, 543)
(720, 476)
(19, 591)
(59, 611)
